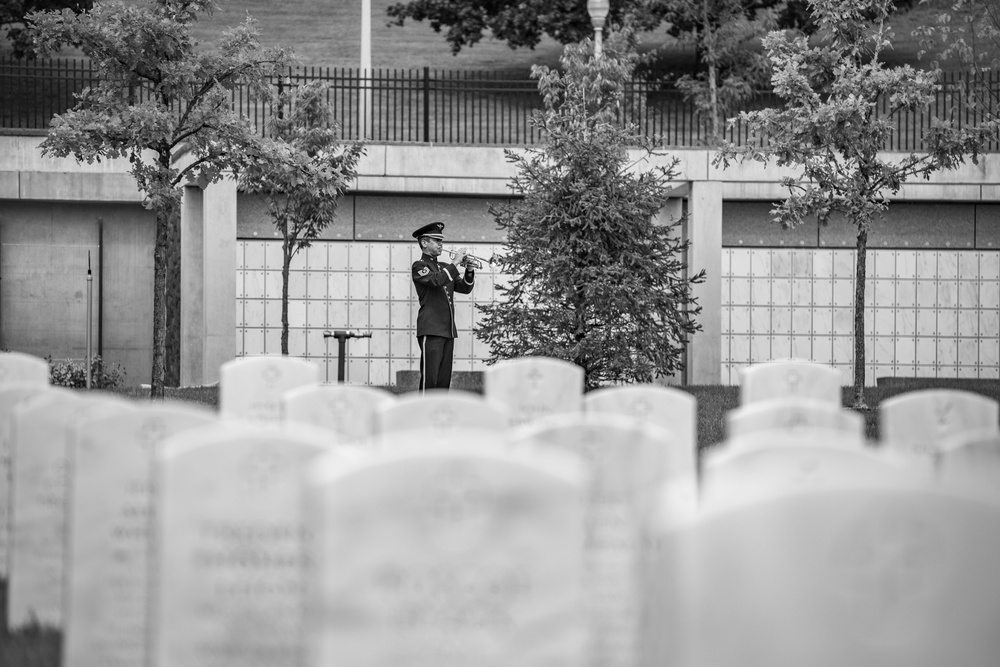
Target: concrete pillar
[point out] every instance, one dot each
(208, 281)
(704, 230)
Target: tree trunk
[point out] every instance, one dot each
(159, 299)
(286, 263)
(859, 321)
(713, 86)
(172, 335)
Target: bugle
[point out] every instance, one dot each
(472, 260)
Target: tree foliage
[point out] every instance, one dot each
(829, 129)
(593, 279)
(13, 15)
(731, 71)
(967, 33)
(162, 104)
(520, 23)
(523, 23)
(302, 173)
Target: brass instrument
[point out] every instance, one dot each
(472, 260)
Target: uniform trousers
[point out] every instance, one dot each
(435, 361)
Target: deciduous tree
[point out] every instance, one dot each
(12, 19)
(158, 96)
(303, 173)
(966, 34)
(593, 278)
(830, 130)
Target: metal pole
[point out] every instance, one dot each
(367, 112)
(90, 317)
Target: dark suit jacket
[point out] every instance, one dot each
(436, 282)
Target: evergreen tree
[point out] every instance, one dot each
(593, 279)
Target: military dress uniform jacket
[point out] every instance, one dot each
(436, 283)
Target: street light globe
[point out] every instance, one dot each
(598, 10)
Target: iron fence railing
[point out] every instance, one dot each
(463, 107)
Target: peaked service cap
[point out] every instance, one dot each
(435, 230)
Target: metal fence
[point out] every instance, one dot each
(461, 107)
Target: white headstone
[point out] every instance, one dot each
(533, 387)
(20, 367)
(448, 556)
(920, 422)
(440, 413)
(229, 544)
(970, 462)
(251, 388)
(11, 396)
(110, 520)
(628, 462)
(874, 574)
(793, 415)
(673, 409)
(791, 378)
(348, 410)
(44, 432)
(777, 465)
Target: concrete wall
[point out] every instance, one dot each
(45, 205)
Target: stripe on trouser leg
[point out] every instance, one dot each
(423, 363)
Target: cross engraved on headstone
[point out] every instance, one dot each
(443, 418)
(270, 375)
(340, 408)
(641, 408)
(534, 378)
(809, 471)
(259, 470)
(887, 558)
(794, 380)
(151, 433)
(795, 420)
(455, 498)
(944, 414)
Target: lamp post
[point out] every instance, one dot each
(598, 10)
(365, 101)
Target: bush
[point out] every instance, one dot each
(72, 373)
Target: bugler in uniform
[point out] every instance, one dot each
(436, 283)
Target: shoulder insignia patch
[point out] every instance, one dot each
(423, 272)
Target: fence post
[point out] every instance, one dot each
(427, 105)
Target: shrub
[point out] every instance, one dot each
(72, 373)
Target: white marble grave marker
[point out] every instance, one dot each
(110, 521)
(791, 378)
(347, 410)
(20, 367)
(673, 409)
(251, 388)
(533, 387)
(448, 556)
(229, 544)
(794, 415)
(871, 573)
(44, 432)
(920, 422)
(628, 462)
(11, 395)
(440, 413)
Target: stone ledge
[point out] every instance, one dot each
(462, 380)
